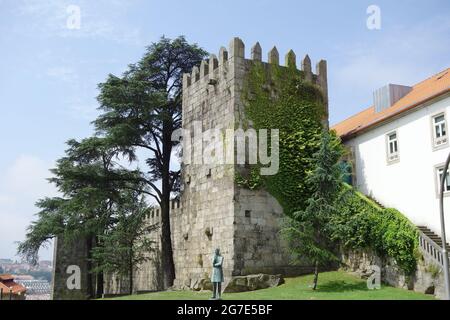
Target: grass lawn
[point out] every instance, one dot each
(334, 285)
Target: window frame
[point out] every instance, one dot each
(437, 180)
(442, 142)
(392, 157)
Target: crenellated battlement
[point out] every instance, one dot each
(210, 71)
(153, 215)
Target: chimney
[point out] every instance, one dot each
(386, 96)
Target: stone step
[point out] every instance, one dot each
(433, 236)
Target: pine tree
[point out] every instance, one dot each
(140, 111)
(309, 231)
(86, 177)
(127, 243)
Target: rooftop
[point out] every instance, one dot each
(422, 92)
(7, 283)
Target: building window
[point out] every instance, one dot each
(439, 130)
(392, 146)
(440, 171)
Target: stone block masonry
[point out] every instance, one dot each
(215, 211)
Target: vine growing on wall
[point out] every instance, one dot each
(279, 98)
(363, 224)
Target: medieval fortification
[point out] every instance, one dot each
(213, 211)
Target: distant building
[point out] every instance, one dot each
(11, 290)
(36, 289)
(23, 277)
(398, 148)
(6, 261)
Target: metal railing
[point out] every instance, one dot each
(431, 248)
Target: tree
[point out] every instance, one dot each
(49, 224)
(141, 110)
(127, 243)
(309, 232)
(86, 177)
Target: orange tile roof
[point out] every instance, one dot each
(430, 88)
(7, 283)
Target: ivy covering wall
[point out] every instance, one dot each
(279, 98)
(361, 224)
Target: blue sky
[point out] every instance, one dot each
(49, 73)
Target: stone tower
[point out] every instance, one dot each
(215, 211)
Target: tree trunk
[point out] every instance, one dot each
(166, 239)
(100, 289)
(316, 275)
(99, 278)
(90, 287)
(130, 272)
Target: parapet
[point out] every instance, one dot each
(236, 51)
(153, 215)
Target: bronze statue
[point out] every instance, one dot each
(217, 275)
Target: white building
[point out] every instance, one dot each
(399, 145)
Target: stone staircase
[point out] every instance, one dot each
(431, 244)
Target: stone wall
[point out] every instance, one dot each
(207, 218)
(428, 277)
(216, 212)
(148, 275)
(66, 254)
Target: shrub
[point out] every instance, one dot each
(363, 224)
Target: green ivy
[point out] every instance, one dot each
(279, 98)
(363, 224)
(252, 181)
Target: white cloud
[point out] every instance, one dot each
(23, 183)
(27, 176)
(99, 20)
(62, 73)
(401, 56)
(396, 55)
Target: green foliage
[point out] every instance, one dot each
(126, 244)
(86, 178)
(309, 231)
(50, 222)
(360, 223)
(434, 270)
(253, 181)
(280, 98)
(140, 111)
(142, 108)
